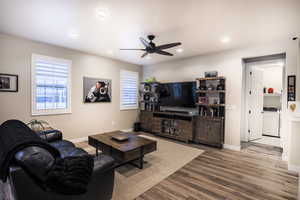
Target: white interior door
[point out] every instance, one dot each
(255, 102)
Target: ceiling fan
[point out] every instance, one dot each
(150, 47)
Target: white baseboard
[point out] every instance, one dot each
(232, 147)
(127, 130)
(294, 168)
(77, 140)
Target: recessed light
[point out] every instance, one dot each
(225, 39)
(179, 50)
(110, 52)
(102, 13)
(74, 35)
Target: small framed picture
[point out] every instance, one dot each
(211, 74)
(291, 88)
(8, 83)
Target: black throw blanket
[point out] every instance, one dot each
(69, 175)
(15, 136)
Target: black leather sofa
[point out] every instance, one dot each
(24, 187)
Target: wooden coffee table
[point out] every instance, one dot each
(126, 152)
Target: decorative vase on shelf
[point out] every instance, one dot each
(270, 90)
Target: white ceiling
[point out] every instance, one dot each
(198, 24)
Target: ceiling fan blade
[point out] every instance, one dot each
(163, 53)
(145, 54)
(135, 49)
(167, 46)
(145, 42)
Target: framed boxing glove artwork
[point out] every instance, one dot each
(96, 90)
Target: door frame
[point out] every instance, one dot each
(244, 117)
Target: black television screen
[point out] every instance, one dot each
(181, 94)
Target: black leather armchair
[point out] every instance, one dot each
(24, 187)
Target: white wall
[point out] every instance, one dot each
(273, 78)
(86, 119)
(228, 64)
(294, 156)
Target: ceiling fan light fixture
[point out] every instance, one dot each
(110, 52)
(150, 47)
(225, 39)
(180, 50)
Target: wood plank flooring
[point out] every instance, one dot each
(225, 174)
(254, 173)
(262, 149)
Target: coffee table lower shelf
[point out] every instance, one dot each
(119, 163)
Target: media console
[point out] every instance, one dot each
(174, 125)
(177, 126)
(184, 127)
(203, 124)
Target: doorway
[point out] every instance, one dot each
(264, 102)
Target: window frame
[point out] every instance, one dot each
(34, 110)
(133, 107)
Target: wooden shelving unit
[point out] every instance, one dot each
(205, 128)
(210, 105)
(150, 83)
(209, 128)
(210, 91)
(149, 97)
(211, 78)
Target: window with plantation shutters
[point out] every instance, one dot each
(51, 91)
(128, 89)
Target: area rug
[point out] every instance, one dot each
(131, 182)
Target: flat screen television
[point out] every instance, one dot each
(181, 94)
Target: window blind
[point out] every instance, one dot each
(51, 91)
(129, 89)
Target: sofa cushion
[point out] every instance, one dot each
(36, 161)
(62, 144)
(71, 151)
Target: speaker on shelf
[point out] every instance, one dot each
(220, 87)
(137, 127)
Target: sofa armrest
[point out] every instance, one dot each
(103, 163)
(51, 135)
